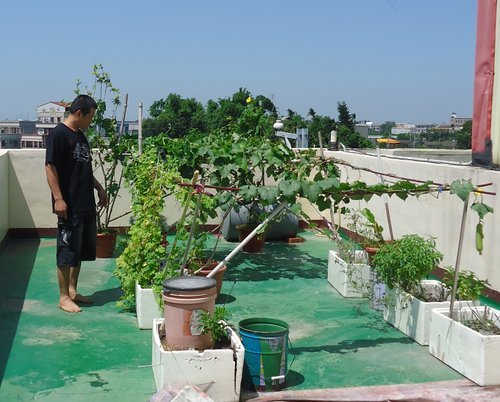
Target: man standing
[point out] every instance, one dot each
(68, 166)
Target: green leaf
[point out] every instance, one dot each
(289, 188)
(481, 209)
(328, 183)
(248, 193)
(462, 188)
(312, 191)
(323, 203)
(269, 194)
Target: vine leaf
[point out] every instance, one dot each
(462, 188)
(481, 209)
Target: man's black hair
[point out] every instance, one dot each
(84, 103)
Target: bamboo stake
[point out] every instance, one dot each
(139, 139)
(332, 214)
(386, 203)
(122, 124)
(459, 254)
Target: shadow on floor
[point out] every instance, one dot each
(17, 259)
(288, 262)
(344, 347)
(102, 297)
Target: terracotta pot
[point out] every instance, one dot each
(105, 244)
(256, 244)
(371, 251)
(219, 276)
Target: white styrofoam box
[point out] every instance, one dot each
(411, 315)
(469, 352)
(217, 372)
(350, 280)
(146, 306)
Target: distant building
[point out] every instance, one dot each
(403, 128)
(13, 132)
(364, 128)
(48, 116)
(129, 127)
(458, 122)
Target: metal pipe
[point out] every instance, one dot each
(228, 258)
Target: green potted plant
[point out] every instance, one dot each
(404, 266)
(405, 262)
(108, 155)
(139, 268)
(368, 231)
(217, 371)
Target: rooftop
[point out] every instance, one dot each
(101, 355)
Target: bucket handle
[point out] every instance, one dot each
(280, 377)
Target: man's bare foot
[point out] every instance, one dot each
(66, 304)
(78, 298)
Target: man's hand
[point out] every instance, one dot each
(60, 208)
(103, 198)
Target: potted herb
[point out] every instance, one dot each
(348, 271)
(367, 230)
(404, 266)
(216, 371)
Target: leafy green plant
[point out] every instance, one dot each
(368, 231)
(406, 261)
(469, 286)
(109, 149)
(485, 322)
(214, 324)
(148, 178)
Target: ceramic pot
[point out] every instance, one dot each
(105, 244)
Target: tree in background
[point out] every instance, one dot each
(293, 121)
(464, 136)
(323, 125)
(346, 133)
(345, 117)
(385, 128)
(176, 116)
(226, 111)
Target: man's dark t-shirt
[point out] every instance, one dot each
(69, 152)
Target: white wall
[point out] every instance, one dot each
(437, 216)
(4, 193)
(29, 194)
(434, 215)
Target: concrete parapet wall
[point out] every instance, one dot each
(436, 215)
(26, 204)
(4, 193)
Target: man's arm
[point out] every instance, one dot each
(60, 207)
(103, 197)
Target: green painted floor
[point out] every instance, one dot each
(101, 355)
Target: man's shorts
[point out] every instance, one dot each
(76, 239)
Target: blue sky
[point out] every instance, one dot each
(400, 60)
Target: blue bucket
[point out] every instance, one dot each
(266, 353)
